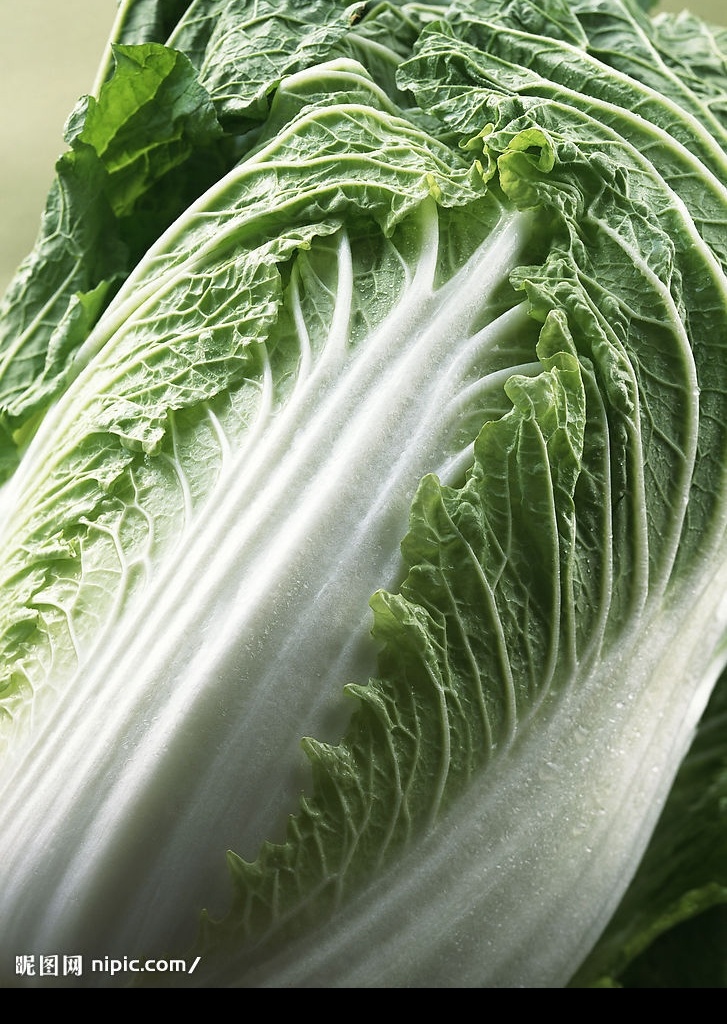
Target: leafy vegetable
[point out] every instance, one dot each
(669, 930)
(422, 301)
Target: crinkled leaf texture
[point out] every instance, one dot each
(501, 338)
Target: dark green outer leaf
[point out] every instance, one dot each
(141, 138)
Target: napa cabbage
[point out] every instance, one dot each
(420, 301)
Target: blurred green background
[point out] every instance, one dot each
(49, 53)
